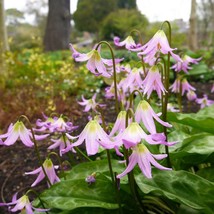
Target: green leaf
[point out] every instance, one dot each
(193, 151)
(207, 173)
(83, 170)
(203, 120)
(72, 194)
(198, 69)
(180, 186)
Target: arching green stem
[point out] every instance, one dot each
(167, 86)
(36, 149)
(37, 195)
(131, 97)
(114, 73)
(59, 160)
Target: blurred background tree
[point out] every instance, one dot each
(206, 23)
(121, 22)
(3, 42)
(58, 28)
(90, 14)
(127, 4)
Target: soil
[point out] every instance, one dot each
(17, 159)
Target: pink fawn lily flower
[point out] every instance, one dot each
(153, 82)
(90, 103)
(158, 43)
(96, 64)
(63, 142)
(133, 80)
(184, 65)
(93, 135)
(22, 204)
(204, 101)
(176, 86)
(46, 124)
(129, 43)
(19, 131)
(191, 95)
(120, 124)
(212, 89)
(146, 114)
(50, 171)
(60, 125)
(133, 135)
(186, 86)
(142, 156)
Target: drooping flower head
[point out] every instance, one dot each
(19, 131)
(186, 86)
(204, 101)
(153, 82)
(212, 89)
(93, 135)
(157, 44)
(50, 171)
(129, 43)
(96, 64)
(191, 95)
(63, 142)
(120, 124)
(176, 86)
(45, 125)
(60, 125)
(184, 65)
(90, 103)
(133, 135)
(132, 81)
(22, 204)
(142, 156)
(146, 114)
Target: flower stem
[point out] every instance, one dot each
(132, 182)
(36, 149)
(107, 151)
(114, 74)
(83, 154)
(60, 162)
(37, 195)
(166, 97)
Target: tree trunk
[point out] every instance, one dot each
(3, 44)
(193, 43)
(58, 28)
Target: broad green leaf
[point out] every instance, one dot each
(72, 194)
(82, 170)
(193, 150)
(207, 173)
(198, 69)
(180, 186)
(203, 120)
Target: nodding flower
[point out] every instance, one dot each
(146, 114)
(184, 65)
(153, 82)
(19, 131)
(144, 158)
(204, 101)
(90, 103)
(93, 135)
(129, 43)
(158, 44)
(50, 171)
(96, 64)
(22, 204)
